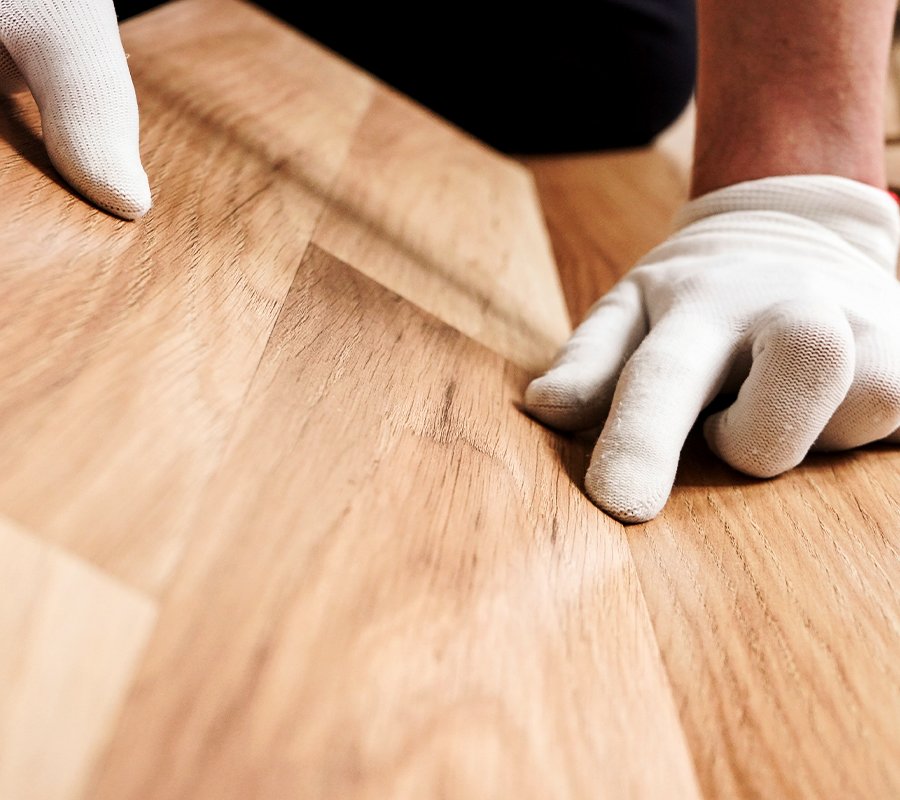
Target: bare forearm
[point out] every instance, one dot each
(791, 88)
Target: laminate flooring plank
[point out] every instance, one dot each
(395, 590)
(70, 638)
(777, 610)
(603, 213)
(451, 225)
(775, 603)
(126, 349)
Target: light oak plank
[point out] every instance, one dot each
(395, 590)
(126, 349)
(450, 225)
(774, 603)
(70, 638)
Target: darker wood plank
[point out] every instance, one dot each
(774, 603)
(604, 211)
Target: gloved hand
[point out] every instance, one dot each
(784, 287)
(70, 55)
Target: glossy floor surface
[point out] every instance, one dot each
(272, 524)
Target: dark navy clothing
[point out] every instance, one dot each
(564, 80)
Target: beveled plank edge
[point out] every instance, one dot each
(9, 523)
(55, 560)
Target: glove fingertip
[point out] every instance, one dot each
(627, 498)
(555, 400)
(544, 402)
(114, 182)
(130, 200)
(738, 452)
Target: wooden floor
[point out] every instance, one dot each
(272, 524)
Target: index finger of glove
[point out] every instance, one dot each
(675, 372)
(575, 393)
(71, 56)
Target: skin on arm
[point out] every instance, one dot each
(786, 88)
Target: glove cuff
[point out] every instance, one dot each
(865, 217)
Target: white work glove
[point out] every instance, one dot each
(784, 287)
(69, 54)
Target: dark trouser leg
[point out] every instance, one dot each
(612, 76)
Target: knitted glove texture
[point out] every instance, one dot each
(69, 54)
(782, 289)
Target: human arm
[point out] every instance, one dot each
(790, 88)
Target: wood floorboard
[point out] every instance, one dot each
(70, 638)
(776, 608)
(272, 524)
(603, 213)
(486, 268)
(419, 601)
(127, 348)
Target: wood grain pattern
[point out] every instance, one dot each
(433, 610)
(774, 603)
(140, 339)
(480, 269)
(603, 214)
(70, 638)
(366, 572)
(783, 614)
(127, 349)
